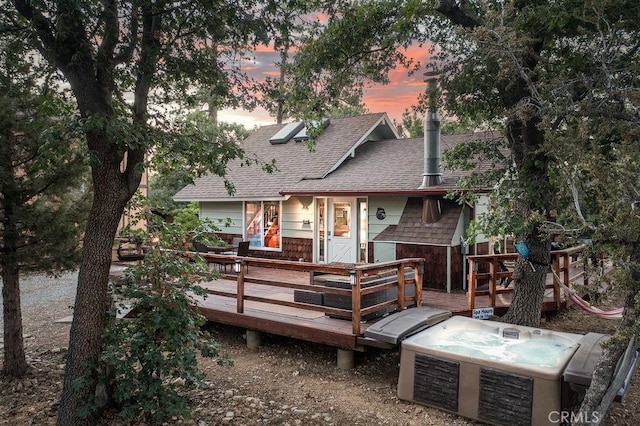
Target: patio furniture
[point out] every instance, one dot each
(129, 252)
(243, 251)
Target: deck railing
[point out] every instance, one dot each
(487, 273)
(355, 274)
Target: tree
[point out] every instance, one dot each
(363, 42)
(560, 78)
(43, 172)
(155, 51)
(593, 129)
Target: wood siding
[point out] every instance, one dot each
(435, 271)
(219, 212)
(292, 249)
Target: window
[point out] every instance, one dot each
(263, 224)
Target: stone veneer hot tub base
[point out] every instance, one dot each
(500, 385)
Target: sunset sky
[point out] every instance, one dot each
(393, 98)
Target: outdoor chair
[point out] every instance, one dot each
(243, 250)
(234, 246)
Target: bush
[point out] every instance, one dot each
(146, 356)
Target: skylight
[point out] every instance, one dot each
(286, 133)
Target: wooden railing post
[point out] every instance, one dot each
(418, 273)
(492, 282)
(240, 296)
(354, 277)
(471, 292)
(555, 266)
(401, 303)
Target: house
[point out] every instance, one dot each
(362, 194)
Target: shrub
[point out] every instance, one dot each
(146, 356)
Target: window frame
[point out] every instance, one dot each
(269, 221)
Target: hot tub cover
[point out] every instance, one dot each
(400, 325)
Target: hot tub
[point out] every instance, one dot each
(488, 371)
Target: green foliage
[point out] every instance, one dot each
(162, 187)
(189, 217)
(44, 173)
(413, 123)
(152, 357)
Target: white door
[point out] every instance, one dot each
(342, 230)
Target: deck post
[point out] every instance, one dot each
(555, 266)
(254, 339)
(240, 292)
(471, 292)
(567, 269)
(418, 273)
(354, 277)
(492, 281)
(401, 291)
(345, 359)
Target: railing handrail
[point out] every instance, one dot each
(355, 291)
(493, 275)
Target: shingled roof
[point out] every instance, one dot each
(355, 155)
(411, 228)
(294, 160)
(387, 167)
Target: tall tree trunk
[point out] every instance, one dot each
(525, 141)
(15, 363)
(530, 276)
(112, 192)
(597, 401)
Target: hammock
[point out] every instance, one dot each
(585, 306)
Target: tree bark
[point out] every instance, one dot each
(92, 302)
(15, 364)
(529, 277)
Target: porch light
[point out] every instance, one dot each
(237, 266)
(352, 278)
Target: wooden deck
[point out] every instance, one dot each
(261, 297)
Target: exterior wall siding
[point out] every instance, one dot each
(223, 213)
(292, 249)
(393, 207)
(293, 220)
(435, 271)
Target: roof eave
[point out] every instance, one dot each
(283, 197)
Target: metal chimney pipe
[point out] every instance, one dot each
(431, 175)
(431, 208)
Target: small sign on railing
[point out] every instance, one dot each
(482, 313)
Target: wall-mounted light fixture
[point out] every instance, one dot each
(305, 202)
